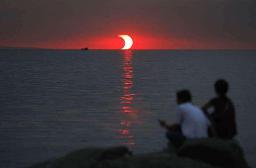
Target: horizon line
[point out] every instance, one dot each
(80, 49)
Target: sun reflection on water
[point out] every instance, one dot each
(126, 100)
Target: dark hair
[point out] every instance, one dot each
(221, 87)
(183, 96)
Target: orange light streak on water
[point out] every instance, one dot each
(126, 100)
(127, 97)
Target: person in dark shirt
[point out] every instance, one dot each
(223, 116)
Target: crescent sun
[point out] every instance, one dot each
(128, 42)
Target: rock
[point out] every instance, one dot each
(82, 158)
(86, 158)
(115, 153)
(201, 153)
(154, 160)
(92, 158)
(217, 152)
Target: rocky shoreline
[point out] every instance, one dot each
(201, 153)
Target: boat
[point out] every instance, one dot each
(84, 49)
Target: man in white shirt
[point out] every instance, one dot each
(191, 121)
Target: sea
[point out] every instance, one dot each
(56, 101)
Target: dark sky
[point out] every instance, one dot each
(151, 23)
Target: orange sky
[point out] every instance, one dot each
(154, 24)
(112, 41)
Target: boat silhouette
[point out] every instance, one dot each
(84, 49)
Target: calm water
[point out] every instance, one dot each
(53, 102)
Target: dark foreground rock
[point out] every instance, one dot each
(222, 153)
(205, 153)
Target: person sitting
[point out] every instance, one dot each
(191, 121)
(223, 115)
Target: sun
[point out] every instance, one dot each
(128, 42)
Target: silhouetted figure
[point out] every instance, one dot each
(191, 121)
(223, 114)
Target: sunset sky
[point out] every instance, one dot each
(153, 24)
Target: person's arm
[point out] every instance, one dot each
(207, 106)
(174, 126)
(165, 125)
(162, 123)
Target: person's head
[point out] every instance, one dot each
(221, 87)
(183, 96)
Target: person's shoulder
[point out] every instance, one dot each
(230, 101)
(183, 106)
(187, 106)
(196, 108)
(214, 100)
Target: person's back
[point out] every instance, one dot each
(194, 123)
(223, 116)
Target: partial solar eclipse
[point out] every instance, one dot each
(128, 42)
